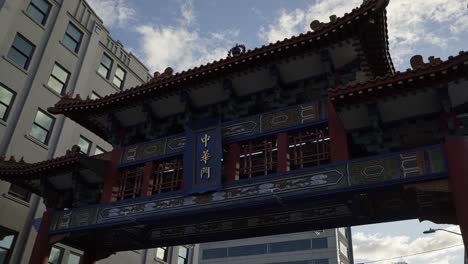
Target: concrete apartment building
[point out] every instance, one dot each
(49, 48)
(331, 246)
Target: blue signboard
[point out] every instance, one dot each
(202, 160)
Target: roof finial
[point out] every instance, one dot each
(237, 50)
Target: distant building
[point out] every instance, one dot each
(331, 246)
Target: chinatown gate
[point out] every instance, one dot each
(311, 132)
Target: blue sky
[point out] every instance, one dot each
(183, 34)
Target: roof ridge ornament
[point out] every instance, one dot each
(237, 50)
(316, 25)
(417, 62)
(168, 72)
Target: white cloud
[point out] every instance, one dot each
(368, 247)
(113, 12)
(410, 23)
(183, 46)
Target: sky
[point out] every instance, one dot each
(186, 33)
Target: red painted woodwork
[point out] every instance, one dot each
(41, 249)
(309, 147)
(130, 182)
(147, 181)
(257, 157)
(282, 156)
(456, 153)
(168, 175)
(232, 164)
(338, 138)
(111, 178)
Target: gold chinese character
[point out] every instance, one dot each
(205, 171)
(205, 156)
(205, 140)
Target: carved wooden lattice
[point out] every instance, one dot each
(130, 182)
(168, 175)
(309, 147)
(257, 157)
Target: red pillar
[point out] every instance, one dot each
(232, 165)
(147, 179)
(41, 250)
(282, 154)
(338, 140)
(456, 153)
(111, 178)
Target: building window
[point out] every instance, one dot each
(247, 250)
(56, 255)
(309, 147)
(85, 145)
(7, 242)
(342, 230)
(72, 38)
(130, 182)
(257, 157)
(161, 253)
(99, 151)
(320, 261)
(74, 258)
(105, 66)
(19, 192)
(288, 246)
(168, 175)
(119, 77)
(21, 51)
(42, 126)
(7, 97)
(183, 255)
(58, 79)
(94, 96)
(214, 253)
(319, 243)
(39, 10)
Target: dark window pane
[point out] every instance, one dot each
(39, 133)
(84, 145)
(290, 246)
(22, 45)
(120, 73)
(19, 192)
(3, 110)
(98, 151)
(44, 6)
(70, 43)
(74, 32)
(37, 15)
(5, 95)
(18, 58)
(55, 255)
(60, 73)
(7, 241)
(74, 259)
(103, 71)
(3, 255)
(247, 250)
(117, 82)
(55, 84)
(318, 243)
(43, 120)
(106, 61)
(215, 253)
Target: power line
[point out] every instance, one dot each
(410, 255)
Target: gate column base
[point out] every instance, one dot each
(42, 247)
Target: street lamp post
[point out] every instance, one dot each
(430, 231)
